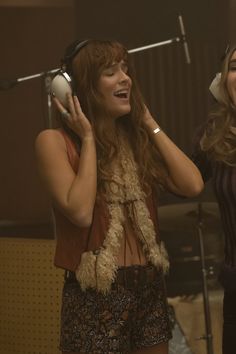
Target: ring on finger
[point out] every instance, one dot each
(65, 114)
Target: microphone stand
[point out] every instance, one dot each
(168, 41)
(208, 336)
(47, 82)
(47, 75)
(8, 84)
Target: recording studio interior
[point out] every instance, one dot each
(177, 48)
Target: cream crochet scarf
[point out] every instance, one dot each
(98, 268)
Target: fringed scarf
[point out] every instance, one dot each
(98, 268)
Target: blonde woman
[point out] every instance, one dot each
(215, 155)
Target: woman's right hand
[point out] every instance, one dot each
(74, 117)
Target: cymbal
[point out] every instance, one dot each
(186, 216)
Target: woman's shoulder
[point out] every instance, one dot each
(52, 135)
(51, 144)
(49, 134)
(49, 139)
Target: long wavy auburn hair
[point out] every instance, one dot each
(86, 67)
(219, 138)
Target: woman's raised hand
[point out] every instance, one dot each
(149, 121)
(74, 117)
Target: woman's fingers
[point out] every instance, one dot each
(74, 108)
(63, 111)
(71, 105)
(78, 109)
(58, 104)
(74, 116)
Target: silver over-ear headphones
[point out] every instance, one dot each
(60, 86)
(62, 83)
(215, 84)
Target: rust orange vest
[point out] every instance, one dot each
(71, 240)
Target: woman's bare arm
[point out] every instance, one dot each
(73, 193)
(184, 177)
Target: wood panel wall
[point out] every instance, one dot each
(32, 41)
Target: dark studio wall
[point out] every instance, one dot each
(232, 22)
(33, 40)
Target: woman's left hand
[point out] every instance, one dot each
(149, 121)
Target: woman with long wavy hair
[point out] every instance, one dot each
(102, 169)
(215, 155)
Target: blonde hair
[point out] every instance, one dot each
(219, 138)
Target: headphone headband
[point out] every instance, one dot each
(73, 49)
(63, 82)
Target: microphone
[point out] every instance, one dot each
(183, 35)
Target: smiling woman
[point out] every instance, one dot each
(103, 169)
(114, 85)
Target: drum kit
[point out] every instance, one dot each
(193, 237)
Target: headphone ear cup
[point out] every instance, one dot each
(215, 88)
(60, 86)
